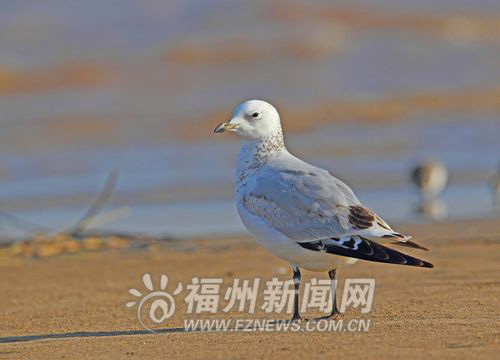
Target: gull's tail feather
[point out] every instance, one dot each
(410, 244)
(361, 248)
(395, 235)
(403, 240)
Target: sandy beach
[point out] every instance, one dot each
(73, 306)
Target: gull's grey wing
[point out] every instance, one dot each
(307, 204)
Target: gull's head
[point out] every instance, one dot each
(253, 119)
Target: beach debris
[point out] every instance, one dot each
(80, 237)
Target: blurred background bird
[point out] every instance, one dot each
(430, 177)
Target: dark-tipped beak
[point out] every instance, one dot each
(224, 127)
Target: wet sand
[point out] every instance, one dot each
(449, 312)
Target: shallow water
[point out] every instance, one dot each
(186, 189)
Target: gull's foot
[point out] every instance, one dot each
(334, 316)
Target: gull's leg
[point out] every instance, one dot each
(335, 314)
(332, 274)
(296, 287)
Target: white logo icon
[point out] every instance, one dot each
(358, 293)
(163, 305)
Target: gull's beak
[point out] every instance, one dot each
(225, 126)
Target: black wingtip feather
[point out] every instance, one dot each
(427, 264)
(366, 250)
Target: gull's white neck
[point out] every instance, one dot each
(255, 153)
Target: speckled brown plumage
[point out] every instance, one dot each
(259, 152)
(360, 217)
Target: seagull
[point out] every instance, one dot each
(300, 212)
(430, 177)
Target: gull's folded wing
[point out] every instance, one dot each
(306, 205)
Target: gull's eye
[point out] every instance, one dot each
(255, 114)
